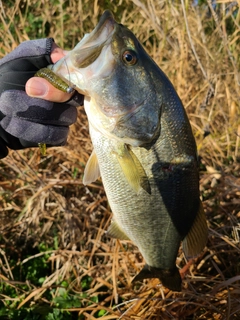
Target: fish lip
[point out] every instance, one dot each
(78, 58)
(105, 26)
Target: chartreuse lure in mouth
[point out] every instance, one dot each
(58, 83)
(54, 79)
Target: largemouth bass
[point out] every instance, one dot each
(144, 148)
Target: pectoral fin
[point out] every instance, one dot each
(115, 231)
(196, 239)
(133, 169)
(91, 172)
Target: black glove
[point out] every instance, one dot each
(26, 121)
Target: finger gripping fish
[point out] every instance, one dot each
(144, 148)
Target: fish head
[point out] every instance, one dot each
(110, 66)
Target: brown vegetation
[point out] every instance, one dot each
(43, 199)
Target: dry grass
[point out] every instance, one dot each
(44, 201)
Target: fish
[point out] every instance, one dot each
(143, 148)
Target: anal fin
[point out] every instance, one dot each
(115, 231)
(196, 239)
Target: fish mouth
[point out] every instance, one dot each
(90, 47)
(105, 25)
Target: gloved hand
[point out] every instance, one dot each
(26, 121)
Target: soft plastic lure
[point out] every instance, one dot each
(55, 80)
(58, 83)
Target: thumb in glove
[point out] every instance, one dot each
(27, 121)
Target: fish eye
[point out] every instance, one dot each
(129, 57)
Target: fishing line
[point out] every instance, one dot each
(72, 86)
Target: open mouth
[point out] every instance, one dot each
(90, 47)
(104, 27)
